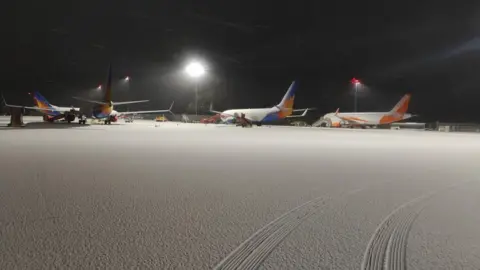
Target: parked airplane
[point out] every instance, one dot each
(338, 119)
(51, 112)
(104, 109)
(248, 117)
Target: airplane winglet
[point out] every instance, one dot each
(212, 110)
(305, 112)
(336, 112)
(4, 101)
(171, 107)
(302, 110)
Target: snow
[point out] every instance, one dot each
(185, 196)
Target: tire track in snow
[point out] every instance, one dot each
(381, 242)
(395, 258)
(251, 253)
(387, 248)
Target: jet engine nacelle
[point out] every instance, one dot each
(70, 117)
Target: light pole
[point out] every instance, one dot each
(195, 70)
(356, 83)
(196, 96)
(126, 81)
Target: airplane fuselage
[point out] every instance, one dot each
(366, 118)
(56, 110)
(260, 115)
(105, 111)
(57, 113)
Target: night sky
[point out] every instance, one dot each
(253, 50)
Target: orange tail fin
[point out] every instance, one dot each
(402, 105)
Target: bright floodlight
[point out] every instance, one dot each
(195, 69)
(99, 87)
(127, 78)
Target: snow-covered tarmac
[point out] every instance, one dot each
(191, 196)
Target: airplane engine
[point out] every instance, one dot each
(47, 118)
(70, 117)
(325, 122)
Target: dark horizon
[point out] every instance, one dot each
(253, 51)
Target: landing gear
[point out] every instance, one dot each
(245, 125)
(70, 118)
(259, 124)
(242, 121)
(107, 122)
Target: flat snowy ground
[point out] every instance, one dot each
(190, 196)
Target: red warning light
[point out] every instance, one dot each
(355, 81)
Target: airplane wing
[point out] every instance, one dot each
(128, 102)
(213, 111)
(114, 103)
(140, 112)
(300, 115)
(26, 107)
(31, 108)
(152, 111)
(217, 112)
(301, 110)
(91, 101)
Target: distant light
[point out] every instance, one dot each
(99, 87)
(195, 69)
(127, 79)
(355, 81)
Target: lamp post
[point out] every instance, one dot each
(356, 83)
(195, 70)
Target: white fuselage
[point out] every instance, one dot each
(254, 115)
(366, 118)
(56, 110)
(65, 109)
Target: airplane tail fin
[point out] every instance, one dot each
(287, 100)
(108, 89)
(402, 105)
(40, 101)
